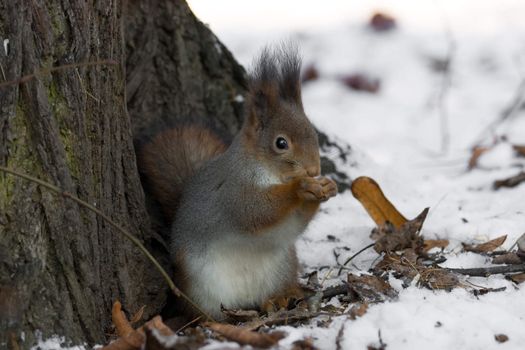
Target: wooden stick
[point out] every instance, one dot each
(487, 271)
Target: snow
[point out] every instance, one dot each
(55, 342)
(396, 138)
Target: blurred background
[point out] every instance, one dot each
(421, 78)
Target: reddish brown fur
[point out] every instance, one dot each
(173, 156)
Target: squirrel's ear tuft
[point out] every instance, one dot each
(276, 76)
(290, 72)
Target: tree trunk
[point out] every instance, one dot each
(177, 70)
(61, 266)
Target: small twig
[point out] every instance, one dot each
(487, 271)
(188, 324)
(443, 91)
(483, 291)
(352, 257)
(508, 112)
(112, 223)
(340, 336)
(41, 72)
(335, 290)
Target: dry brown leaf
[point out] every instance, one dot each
(358, 310)
(501, 338)
(518, 278)
(380, 209)
(403, 265)
(512, 181)
(390, 239)
(370, 288)
(245, 336)
(122, 325)
(519, 149)
(437, 278)
(136, 339)
(303, 344)
(507, 258)
(477, 152)
(485, 247)
(434, 243)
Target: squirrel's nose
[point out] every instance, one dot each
(313, 171)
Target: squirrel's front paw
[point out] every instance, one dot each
(329, 187)
(320, 188)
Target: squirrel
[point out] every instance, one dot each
(236, 210)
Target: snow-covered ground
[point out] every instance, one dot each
(396, 136)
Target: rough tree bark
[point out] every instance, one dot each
(62, 267)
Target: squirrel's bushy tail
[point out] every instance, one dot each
(171, 157)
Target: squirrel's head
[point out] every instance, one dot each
(276, 128)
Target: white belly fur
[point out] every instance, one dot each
(243, 270)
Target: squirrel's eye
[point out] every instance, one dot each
(281, 143)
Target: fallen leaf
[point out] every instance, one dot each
(477, 152)
(403, 265)
(517, 278)
(380, 209)
(382, 22)
(434, 243)
(245, 336)
(370, 288)
(437, 278)
(390, 239)
(485, 247)
(121, 323)
(519, 149)
(361, 82)
(512, 181)
(501, 338)
(136, 339)
(358, 310)
(303, 344)
(310, 73)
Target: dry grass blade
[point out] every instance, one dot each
(245, 336)
(138, 315)
(380, 209)
(485, 247)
